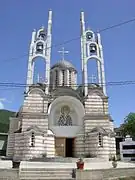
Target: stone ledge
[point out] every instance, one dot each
(113, 173)
(34, 115)
(94, 116)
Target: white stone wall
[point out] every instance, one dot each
(96, 108)
(60, 77)
(19, 146)
(109, 146)
(79, 143)
(91, 143)
(73, 80)
(93, 122)
(33, 114)
(40, 121)
(34, 110)
(93, 148)
(33, 103)
(67, 74)
(50, 144)
(104, 150)
(24, 150)
(112, 145)
(95, 104)
(13, 126)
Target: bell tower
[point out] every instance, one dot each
(91, 48)
(40, 47)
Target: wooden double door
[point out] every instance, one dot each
(64, 147)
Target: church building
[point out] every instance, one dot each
(58, 117)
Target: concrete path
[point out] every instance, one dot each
(5, 164)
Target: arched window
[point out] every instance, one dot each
(100, 140)
(56, 80)
(32, 139)
(43, 139)
(63, 77)
(70, 78)
(39, 47)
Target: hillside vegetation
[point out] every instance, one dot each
(4, 120)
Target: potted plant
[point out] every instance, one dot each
(114, 162)
(80, 164)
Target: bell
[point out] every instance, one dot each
(39, 47)
(93, 48)
(89, 36)
(42, 35)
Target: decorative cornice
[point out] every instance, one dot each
(64, 91)
(33, 115)
(96, 116)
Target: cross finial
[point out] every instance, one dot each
(92, 78)
(63, 52)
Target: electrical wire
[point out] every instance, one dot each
(117, 25)
(74, 39)
(18, 85)
(111, 83)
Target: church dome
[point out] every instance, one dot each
(64, 64)
(63, 74)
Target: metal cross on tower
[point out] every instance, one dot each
(63, 52)
(92, 78)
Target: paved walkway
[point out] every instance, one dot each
(5, 164)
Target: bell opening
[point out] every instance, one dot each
(39, 47)
(93, 48)
(89, 36)
(42, 34)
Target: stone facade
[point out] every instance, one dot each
(60, 108)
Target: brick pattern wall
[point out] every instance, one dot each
(79, 148)
(23, 148)
(96, 108)
(13, 126)
(95, 104)
(50, 145)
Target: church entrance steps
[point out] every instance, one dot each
(59, 170)
(68, 166)
(67, 160)
(45, 173)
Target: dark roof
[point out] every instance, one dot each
(18, 131)
(64, 64)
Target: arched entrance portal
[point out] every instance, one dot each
(65, 120)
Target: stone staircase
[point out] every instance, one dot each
(46, 174)
(66, 160)
(56, 168)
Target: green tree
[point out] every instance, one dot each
(128, 127)
(4, 120)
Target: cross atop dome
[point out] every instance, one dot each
(63, 52)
